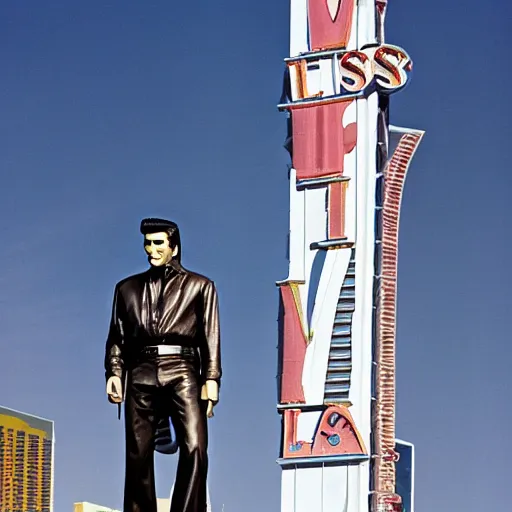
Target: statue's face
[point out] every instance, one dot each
(158, 250)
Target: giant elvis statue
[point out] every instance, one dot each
(163, 360)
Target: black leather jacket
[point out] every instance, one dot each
(178, 308)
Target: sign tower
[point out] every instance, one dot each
(336, 381)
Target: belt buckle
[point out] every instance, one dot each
(151, 351)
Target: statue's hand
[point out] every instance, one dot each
(210, 392)
(114, 390)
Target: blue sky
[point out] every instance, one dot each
(113, 111)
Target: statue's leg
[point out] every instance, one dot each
(188, 414)
(140, 426)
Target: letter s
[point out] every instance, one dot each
(391, 66)
(355, 66)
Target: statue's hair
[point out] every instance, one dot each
(153, 225)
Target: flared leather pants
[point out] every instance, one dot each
(160, 386)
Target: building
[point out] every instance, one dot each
(85, 506)
(405, 474)
(163, 505)
(26, 462)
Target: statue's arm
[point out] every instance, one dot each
(210, 355)
(114, 364)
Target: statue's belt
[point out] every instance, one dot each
(168, 350)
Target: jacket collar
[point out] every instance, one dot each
(173, 267)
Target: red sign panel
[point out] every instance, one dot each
(320, 141)
(330, 23)
(293, 348)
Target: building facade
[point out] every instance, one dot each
(162, 505)
(85, 506)
(405, 474)
(336, 382)
(26, 462)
